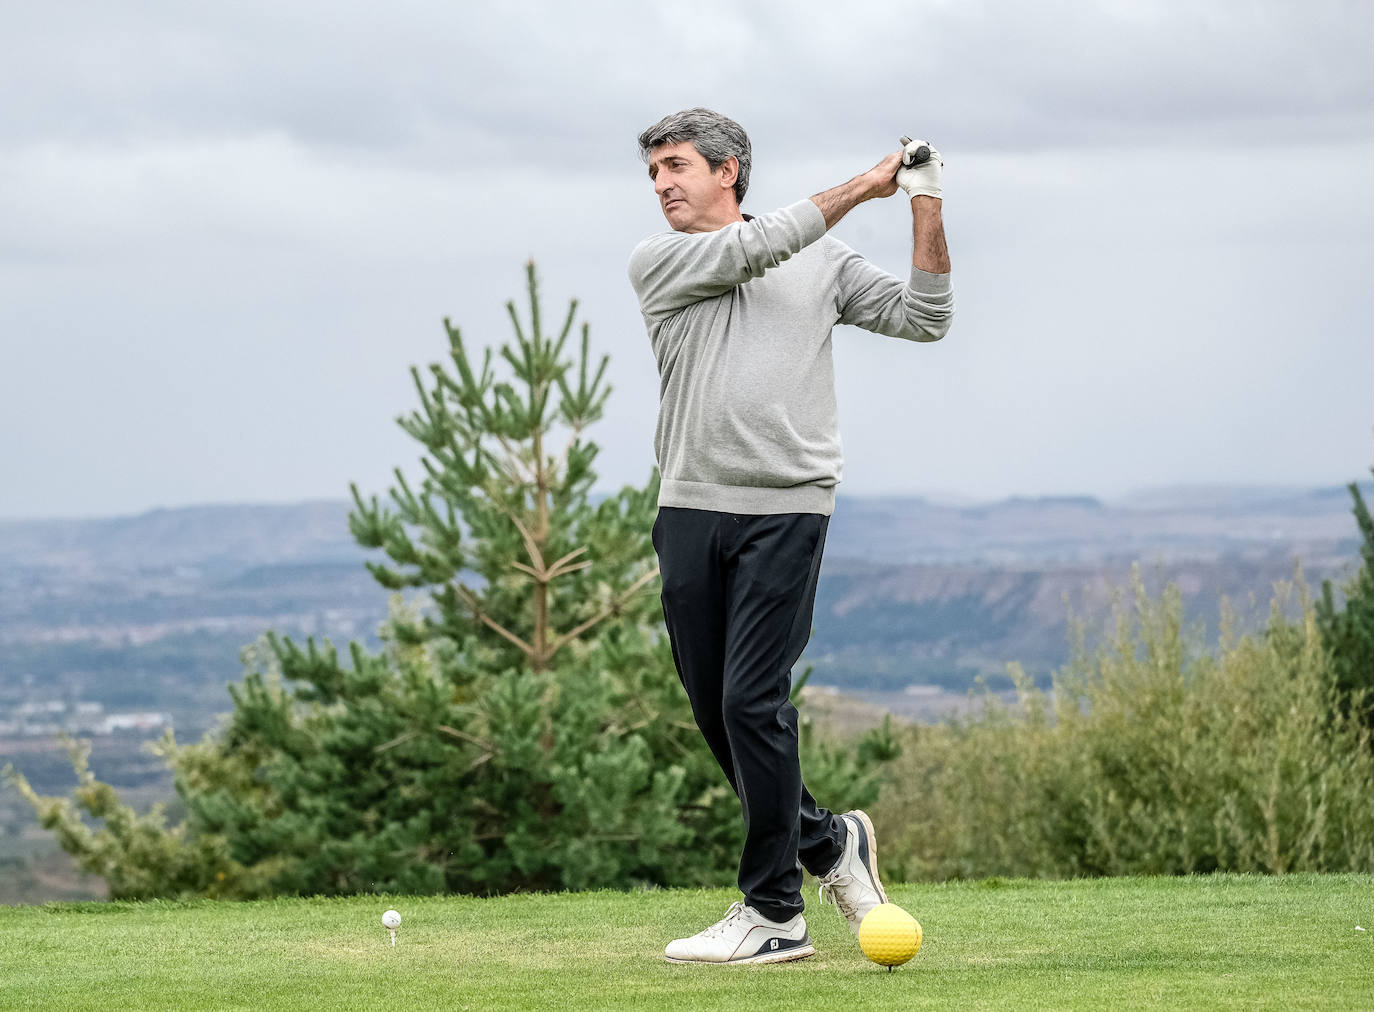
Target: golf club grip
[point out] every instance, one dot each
(918, 157)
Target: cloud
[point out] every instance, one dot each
(490, 80)
(235, 225)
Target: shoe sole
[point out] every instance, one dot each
(872, 850)
(784, 956)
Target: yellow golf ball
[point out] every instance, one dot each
(889, 935)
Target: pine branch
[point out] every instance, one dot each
(536, 556)
(575, 567)
(513, 455)
(554, 569)
(401, 740)
(615, 608)
(558, 569)
(561, 465)
(496, 627)
(485, 746)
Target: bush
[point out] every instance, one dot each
(1146, 757)
(1348, 631)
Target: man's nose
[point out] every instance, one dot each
(661, 185)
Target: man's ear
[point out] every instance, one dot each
(729, 172)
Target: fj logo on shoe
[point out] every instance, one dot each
(773, 944)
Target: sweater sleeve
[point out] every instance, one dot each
(919, 309)
(672, 270)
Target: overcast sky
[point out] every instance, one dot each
(228, 230)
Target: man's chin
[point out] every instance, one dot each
(683, 221)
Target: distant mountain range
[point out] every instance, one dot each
(1165, 524)
(218, 539)
(1186, 521)
(149, 611)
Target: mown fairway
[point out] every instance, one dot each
(1224, 941)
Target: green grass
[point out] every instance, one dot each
(1207, 942)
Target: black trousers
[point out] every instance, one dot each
(738, 593)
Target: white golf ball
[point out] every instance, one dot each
(391, 919)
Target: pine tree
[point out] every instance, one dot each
(541, 552)
(524, 728)
(1348, 632)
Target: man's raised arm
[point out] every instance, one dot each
(674, 269)
(922, 307)
(922, 183)
(879, 181)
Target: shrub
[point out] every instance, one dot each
(1148, 756)
(1348, 631)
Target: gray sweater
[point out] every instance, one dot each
(740, 320)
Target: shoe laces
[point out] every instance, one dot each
(834, 887)
(736, 910)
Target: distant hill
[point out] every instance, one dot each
(1167, 524)
(1182, 522)
(150, 610)
(882, 628)
(213, 538)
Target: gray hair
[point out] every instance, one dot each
(714, 136)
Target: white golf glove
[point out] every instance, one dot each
(923, 178)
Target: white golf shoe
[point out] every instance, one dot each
(853, 884)
(743, 935)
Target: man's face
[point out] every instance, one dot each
(693, 198)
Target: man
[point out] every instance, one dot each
(739, 311)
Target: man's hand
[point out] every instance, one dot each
(880, 180)
(923, 179)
